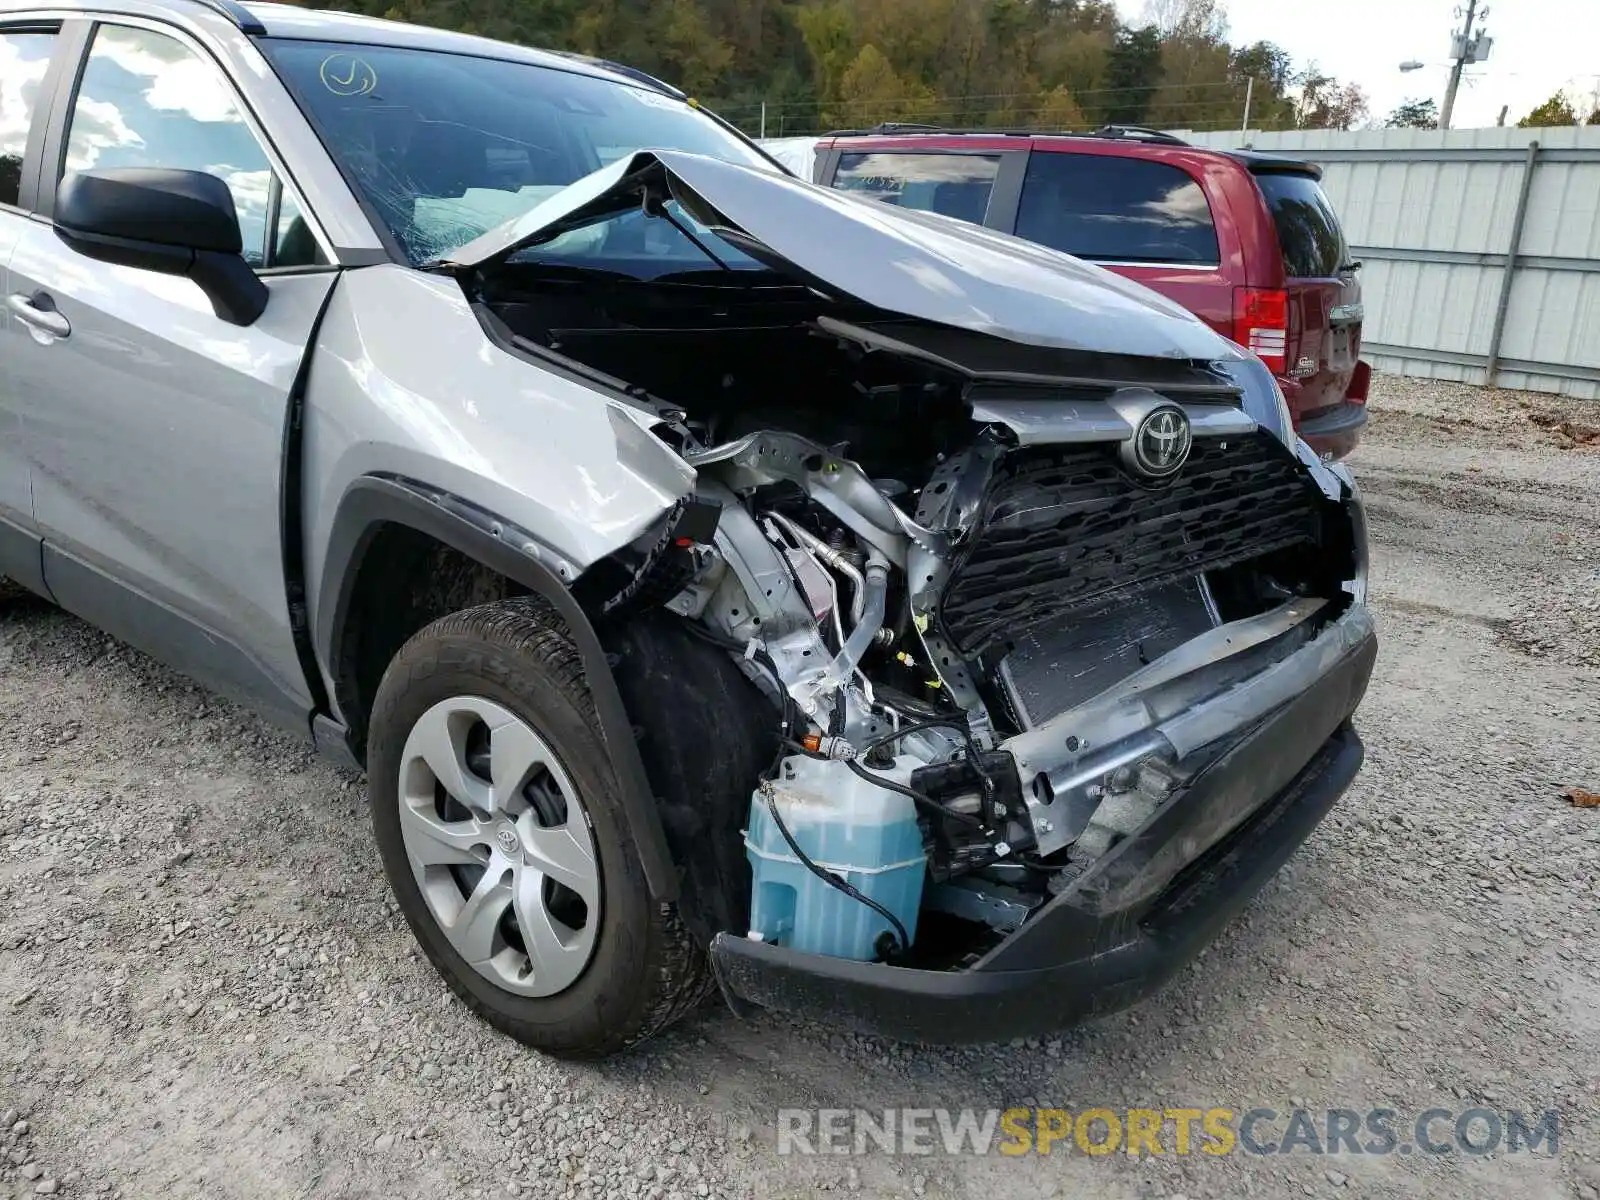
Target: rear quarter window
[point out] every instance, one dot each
(1114, 209)
(1308, 229)
(956, 185)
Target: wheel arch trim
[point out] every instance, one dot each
(373, 502)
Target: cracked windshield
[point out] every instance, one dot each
(444, 147)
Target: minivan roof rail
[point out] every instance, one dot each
(1139, 133)
(1129, 132)
(242, 17)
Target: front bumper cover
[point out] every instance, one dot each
(1126, 925)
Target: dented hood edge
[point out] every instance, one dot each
(901, 261)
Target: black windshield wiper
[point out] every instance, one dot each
(656, 206)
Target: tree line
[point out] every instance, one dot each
(814, 65)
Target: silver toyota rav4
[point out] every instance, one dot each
(725, 583)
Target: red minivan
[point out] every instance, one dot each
(1246, 241)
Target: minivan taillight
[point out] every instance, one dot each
(1261, 325)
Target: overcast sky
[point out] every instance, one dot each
(1539, 45)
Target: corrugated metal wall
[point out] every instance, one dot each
(1432, 216)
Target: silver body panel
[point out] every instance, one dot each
(149, 444)
(916, 264)
(405, 382)
(16, 502)
(156, 434)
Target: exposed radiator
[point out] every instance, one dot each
(1065, 529)
(1064, 662)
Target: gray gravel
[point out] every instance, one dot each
(205, 991)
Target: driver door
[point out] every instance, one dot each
(156, 431)
(26, 51)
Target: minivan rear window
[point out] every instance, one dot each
(1113, 209)
(1313, 244)
(956, 185)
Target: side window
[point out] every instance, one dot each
(147, 100)
(957, 185)
(1114, 209)
(23, 59)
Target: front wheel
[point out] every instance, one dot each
(500, 825)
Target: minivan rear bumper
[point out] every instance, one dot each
(1336, 431)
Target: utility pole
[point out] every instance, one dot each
(1249, 93)
(1466, 46)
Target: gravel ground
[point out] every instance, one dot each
(205, 991)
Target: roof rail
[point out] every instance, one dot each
(1128, 132)
(1139, 133)
(895, 127)
(241, 16)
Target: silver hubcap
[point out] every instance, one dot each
(500, 846)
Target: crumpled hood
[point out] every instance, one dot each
(902, 261)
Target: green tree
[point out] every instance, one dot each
(1557, 110)
(1269, 70)
(1197, 89)
(815, 63)
(831, 41)
(1060, 111)
(1075, 59)
(1325, 103)
(1133, 72)
(1203, 19)
(1415, 114)
(871, 91)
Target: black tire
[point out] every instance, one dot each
(646, 972)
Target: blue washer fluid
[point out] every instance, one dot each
(865, 834)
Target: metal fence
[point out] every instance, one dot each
(1480, 249)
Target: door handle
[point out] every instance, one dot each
(38, 311)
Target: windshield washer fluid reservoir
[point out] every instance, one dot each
(863, 833)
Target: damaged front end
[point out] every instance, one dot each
(1061, 635)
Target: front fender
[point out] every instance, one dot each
(375, 502)
(404, 383)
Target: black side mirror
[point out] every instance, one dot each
(174, 222)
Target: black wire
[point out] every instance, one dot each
(788, 709)
(831, 879)
(973, 759)
(917, 727)
(712, 636)
(924, 800)
(1038, 864)
(797, 748)
(764, 659)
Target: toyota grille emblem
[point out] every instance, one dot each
(1161, 443)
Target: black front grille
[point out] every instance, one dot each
(1067, 527)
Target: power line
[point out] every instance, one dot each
(1164, 115)
(773, 105)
